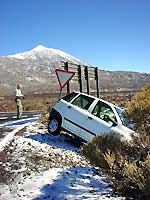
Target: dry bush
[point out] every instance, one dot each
(34, 106)
(7, 105)
(43, 119)
(101, 145)
(126, 164)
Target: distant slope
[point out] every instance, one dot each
(35, 70)
(123, 80)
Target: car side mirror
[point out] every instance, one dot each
(109, 119)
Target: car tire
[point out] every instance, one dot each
(54, 125)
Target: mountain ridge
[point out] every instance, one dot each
(35, 70)
(42, 50)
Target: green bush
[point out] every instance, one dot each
(138, 110)
(127, 164)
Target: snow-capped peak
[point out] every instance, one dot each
(42, 51)
(39, 48)
(30, 54)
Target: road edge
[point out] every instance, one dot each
(10, 136)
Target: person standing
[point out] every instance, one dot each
(18, 100)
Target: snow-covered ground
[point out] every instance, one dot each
(36, 166)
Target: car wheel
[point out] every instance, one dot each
(54, 126)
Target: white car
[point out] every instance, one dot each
(86, 116)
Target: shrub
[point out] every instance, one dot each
(138, 109)
(43, 119)
(126, 164)
(99, 146)
(34, 106)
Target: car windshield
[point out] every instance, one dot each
(123, 118)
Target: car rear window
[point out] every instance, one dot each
(83, 101)
(70, 96)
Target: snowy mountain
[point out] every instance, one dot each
(41, 52)
(35, 70)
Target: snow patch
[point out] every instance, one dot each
(73, 178)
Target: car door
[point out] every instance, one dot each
(96, 123)
(75, 113)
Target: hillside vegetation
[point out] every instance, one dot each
(139, 110)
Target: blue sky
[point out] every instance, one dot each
(109, 34)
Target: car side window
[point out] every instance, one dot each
(83, 102)
(102, 110)
(70, 96)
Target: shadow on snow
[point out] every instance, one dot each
(59, 141)
(21, 122)
(76, 183)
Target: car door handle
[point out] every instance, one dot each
(69, 107)
(90, 118)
